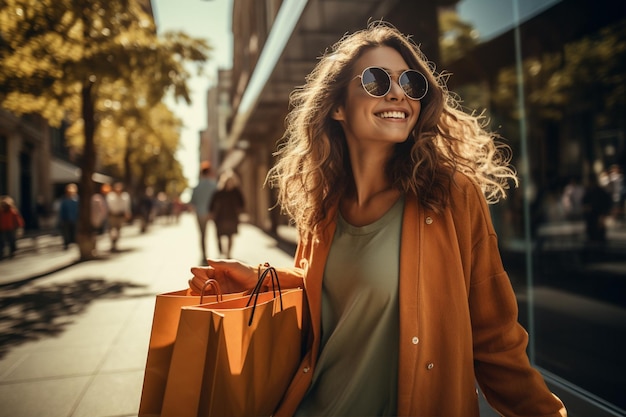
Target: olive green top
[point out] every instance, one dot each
(357, 371)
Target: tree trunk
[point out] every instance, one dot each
(85, 236)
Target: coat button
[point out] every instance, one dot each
(430, 366)
(415, 340)
(306, 369)
(429, 220)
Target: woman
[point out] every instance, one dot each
(386, 179)
(11, 221)
(226, 206)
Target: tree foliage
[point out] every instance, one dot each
(587, 76)
(99, 66)
(457, 36)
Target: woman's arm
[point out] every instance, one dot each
(503, 370)
(234, 276)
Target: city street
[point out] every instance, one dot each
(74, 341)
(74, 336)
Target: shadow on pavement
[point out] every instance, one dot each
(45, 311)
(46, 268)
(27, 279)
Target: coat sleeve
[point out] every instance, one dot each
(503, 371)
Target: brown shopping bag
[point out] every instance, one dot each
(164, 325)
(236, 357)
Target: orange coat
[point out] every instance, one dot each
(458, 316)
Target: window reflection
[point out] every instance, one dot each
(567, 221)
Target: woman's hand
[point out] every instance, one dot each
(232, 276)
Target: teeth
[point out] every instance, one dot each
(392, 115)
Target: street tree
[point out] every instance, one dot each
(62, 58)
(134, 141)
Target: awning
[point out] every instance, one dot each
(232, 160)
(64, 172)
(61, 171)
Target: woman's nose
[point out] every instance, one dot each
(396, 92)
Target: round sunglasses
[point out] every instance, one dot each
(377, 83)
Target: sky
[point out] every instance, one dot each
(211, 20)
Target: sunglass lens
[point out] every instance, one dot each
(376, 81)
(414, 84)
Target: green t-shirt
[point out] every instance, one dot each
(357, 370)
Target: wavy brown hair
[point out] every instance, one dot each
(313, 169)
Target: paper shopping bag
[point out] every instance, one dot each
(225, 364)
(164, 326)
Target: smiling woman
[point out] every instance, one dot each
(439, 138)
(408, 302)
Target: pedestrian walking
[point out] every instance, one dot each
(99, 209)
(226, 207)
(409, 305)
(146, 208)
(68, 215)
(119, 204)
(201, 200)
(11, 222)
(596, 207)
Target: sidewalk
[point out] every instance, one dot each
(74, 341)
(74, 336)
(43, 255)
(34, 260)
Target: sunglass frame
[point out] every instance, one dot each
(391, 80)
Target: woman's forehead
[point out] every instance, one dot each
(383, 57)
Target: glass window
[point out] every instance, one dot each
(4, 165)
(552, 78)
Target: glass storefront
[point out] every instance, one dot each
(552, 78)
(4, 164)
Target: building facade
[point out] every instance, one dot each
(551, 77)
(28, 167)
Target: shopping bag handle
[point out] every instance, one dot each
(211, 283)
(259, 284)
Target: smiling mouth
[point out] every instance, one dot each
(392, 115)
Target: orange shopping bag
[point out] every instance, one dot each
(236, 357)
(164, 325)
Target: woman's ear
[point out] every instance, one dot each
(337, 113)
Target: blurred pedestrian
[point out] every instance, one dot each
(146, 208)
(99, 209)
(41, 213)
(68, 215)
(226, 207)
(572, 197)
(615, 186)
(596, 206)
(408, 305)
(120, 212)
(201, 200)
(11, 222)
(177, 208)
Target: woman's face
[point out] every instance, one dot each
(377, 121)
